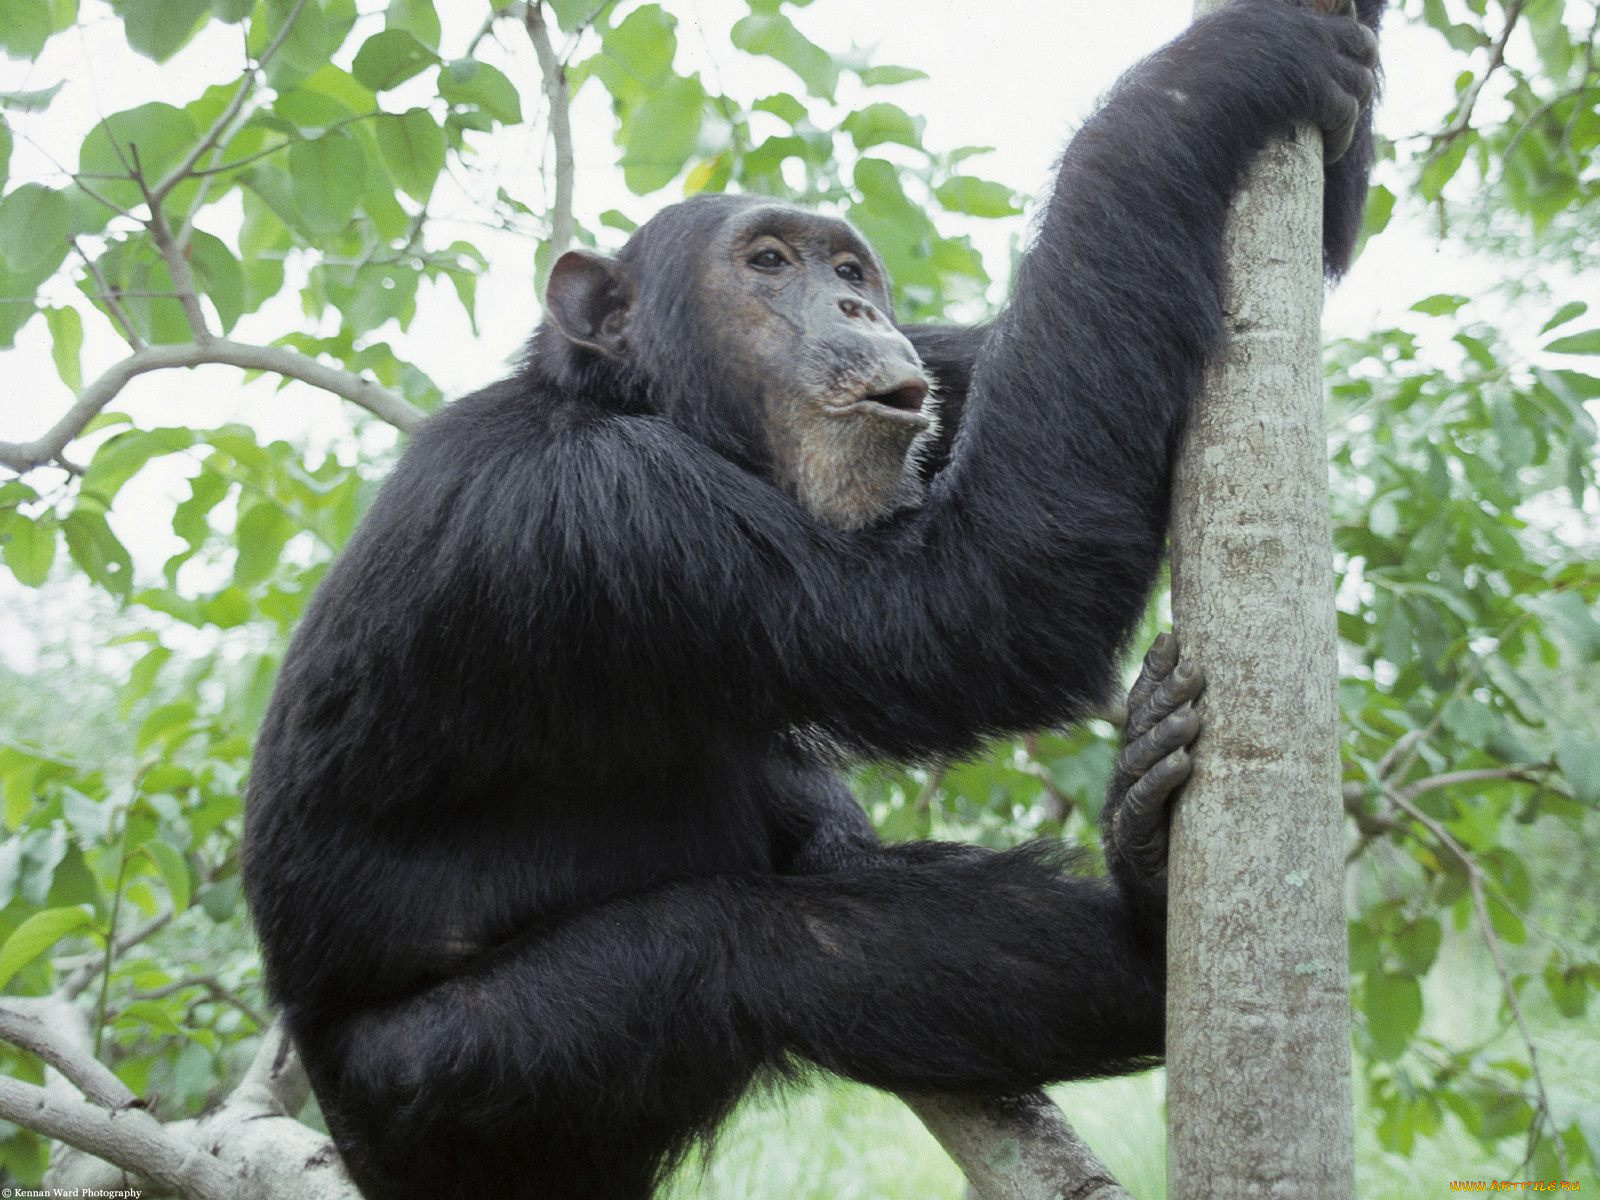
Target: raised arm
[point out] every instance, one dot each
(613, 508)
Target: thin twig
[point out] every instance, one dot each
(236, 163)
(108, 297)
(1403, 755)
(220, 126)
(1462, 121)
(558, 98)
(217, 990)
(177, 262)
(1508, 987)
(1525, 773)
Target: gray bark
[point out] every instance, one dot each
(1016, 1148)
(1258, 1023)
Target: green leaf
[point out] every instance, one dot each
(879, 123)
(369, 296)
(228, 609)
(467, 82)
(390, 58)
(888, 76)
(170, 724)
(190, 518)
(174, 870)
(34, 228)
(319, 29)
(66, 344)
(1567, 987)
(30, 548)
(221, 899)
(37, 934)
(1440, 305)
(121, 457)
(162, 134)
(572, 13)
(158, 29)
(412, 146)
(659, 136)
(1587, 342)
(637, 55)
(263, 530)
(977, 197)
(25, 25)
(1567, 312)
(6, 144)
(232, 11)
(1578, 755)
(97, 551)
(775, 36)
(328, 173)
(142, 677)
(1441, 169)
(1393, 1007)
(416, 17)
(1418, 944)
(219, 276)
(783, 106)
(36, 100)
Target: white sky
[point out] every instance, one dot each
(1014, 74)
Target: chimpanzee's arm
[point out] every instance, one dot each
(707, 600)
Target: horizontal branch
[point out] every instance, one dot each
(44, 1027)
(129, 1137)
(1015, 1147)
(1527, 773)
(277, 360)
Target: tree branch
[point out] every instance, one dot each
(559, 100)
(275, 1081)
(174, 177)
(129, 1137)
(1462, 121)
(214, 988)
(22, 457)
(1016, 1148)
(177, 262)
(109, 298)
(40, 1026)
(1527, 773)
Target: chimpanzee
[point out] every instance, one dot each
(546, 843)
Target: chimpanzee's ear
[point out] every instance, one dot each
(588, 299)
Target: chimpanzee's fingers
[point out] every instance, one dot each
(1173, 732)
(1140, 828)
(1158, 663)
(1183, 685)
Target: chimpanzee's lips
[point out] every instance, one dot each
(908, 397)
(900, 403)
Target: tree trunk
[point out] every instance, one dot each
(1258, 1023)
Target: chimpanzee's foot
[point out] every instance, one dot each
(1154, 763)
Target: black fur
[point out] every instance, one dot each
(545, 847)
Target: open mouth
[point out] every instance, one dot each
(908, 397)
(899, 405)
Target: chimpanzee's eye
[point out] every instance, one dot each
(767, 260)
(850, 271)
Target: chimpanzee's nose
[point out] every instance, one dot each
(851, 306)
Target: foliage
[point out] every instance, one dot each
(302, 200)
